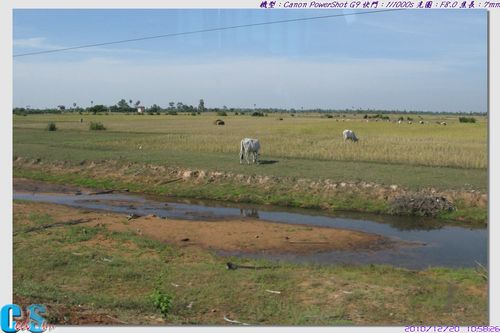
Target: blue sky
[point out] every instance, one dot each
(409, 60)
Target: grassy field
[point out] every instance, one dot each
(415, 157)
(306, 137)
(124, 273)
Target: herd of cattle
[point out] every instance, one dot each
(249, 148)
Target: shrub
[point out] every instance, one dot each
(222, 113)
(467, 119)
(51, 126)
(257, 114)
(172, 113)
(162, 302)
(96, 126)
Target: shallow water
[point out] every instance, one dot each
(449, 246)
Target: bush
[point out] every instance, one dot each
(467, 119)
(97, 126)
(172, 113)
(222, 113)
(51, 127)
(257, 114)
(162, 302)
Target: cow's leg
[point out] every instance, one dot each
(246, 157)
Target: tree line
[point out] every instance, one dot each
(124, 106)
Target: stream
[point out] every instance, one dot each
(445, 245)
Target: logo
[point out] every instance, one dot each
(10, 319)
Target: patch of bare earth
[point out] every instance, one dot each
(237, 235)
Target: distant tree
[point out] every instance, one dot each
(61, 107)
(201, 106)
(179, 106)
(130, 101)
(74, 104)
(122, 104)
(97, 109)
(137, 103)
(171, 105)
(114, 108)
(154, 108)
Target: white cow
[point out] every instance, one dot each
(249, 146)
(349, 135)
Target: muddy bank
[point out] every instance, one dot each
(281, 191)
(244, 236)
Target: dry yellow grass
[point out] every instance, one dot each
(307, 137)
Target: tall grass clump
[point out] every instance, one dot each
(96, 126)
(467, 119)
(51, 126)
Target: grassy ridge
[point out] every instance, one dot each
(280, 195)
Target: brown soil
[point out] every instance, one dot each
(236, 235)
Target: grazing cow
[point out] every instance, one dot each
(349, 135)
(249, 146)
(421, 122)
(443, 123)
(219, 122)
(410, 122)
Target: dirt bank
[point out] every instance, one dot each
(237, 235)
(471, 205)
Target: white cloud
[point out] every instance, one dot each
(34, 44)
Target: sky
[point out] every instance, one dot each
(427, 60)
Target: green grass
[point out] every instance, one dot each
(313, 138)
(415, 157)
(75, 147)
(123, 270)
